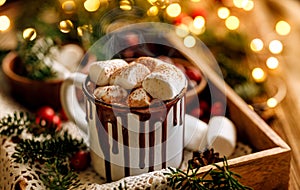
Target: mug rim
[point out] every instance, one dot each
(87, 93)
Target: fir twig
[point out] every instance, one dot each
(13, 125)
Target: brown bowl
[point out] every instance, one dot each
(32, 94)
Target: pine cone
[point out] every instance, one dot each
(204, 158)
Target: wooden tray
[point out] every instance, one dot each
(268, 167)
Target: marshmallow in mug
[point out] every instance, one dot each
(165, 82)
(101, 71)
(221, 135)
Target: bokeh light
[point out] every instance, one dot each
(125, 5)
(91, 5)
(272, 63)
(69, 6)
(223, 12)
(256, 45)
(282, 28)
(240, 3)
(249, 5)
(4, 23)
(173, 10)
(275, 46)
(2, 2)
(189, 41)
(272, 102)
(182, 30)
(232, 23)
(29, 34)
(152, 11)
(258, 74)
(66, 26)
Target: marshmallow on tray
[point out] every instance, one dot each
(111, 94)
(100, 71)
(165, 82)
(195, 132)
(131, 76)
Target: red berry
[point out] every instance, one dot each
(218, 109)
(197, 112)
(56, 122)
(193, 74)
(80, 160)
(46, 112)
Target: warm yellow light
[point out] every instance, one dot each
(272, 63)
(223, 12)
(282, 28)
(2, 2)
(258, 74)
(29, 34)
(199, 22)
(256, 45)
(249, 5)
(65, 26)
(189, 41)
(240, 3)
(162, 4)
(272, 102)
(275, 46)
(195, 1)
(69, 6)
(152, 11)
(4, 23)
(182, 30)
(232, 23)
(196, 31)
(125, 5)
(91, 5)
(173, 10)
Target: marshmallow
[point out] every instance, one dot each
(221, 135)
(130, 77)
(165, 82)
(138, 98)
(100, 72)
(194, 133)
(111, 94)
(149, 62)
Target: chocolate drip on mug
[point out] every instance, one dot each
(175, 122)
(164, 142)
(142, 144)
(126, 146)
(115, 148)
(101, 124)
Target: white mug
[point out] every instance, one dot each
(126, 141)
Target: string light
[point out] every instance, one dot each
(282, 28)
(4, 23)
(152, 11)
(256, 45)
(66, 26)
(2, 2)
(189, 41)
(258, 74)
(272, 63)
(162, 4)
(249, 5)
(182, 30)
(69, 6)
(272, 102)
(275, 46)
(173, 10)
(240, 3)
(125, 5)
(223, 12)
(91, 5)
(232, 23)
(29, 34)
